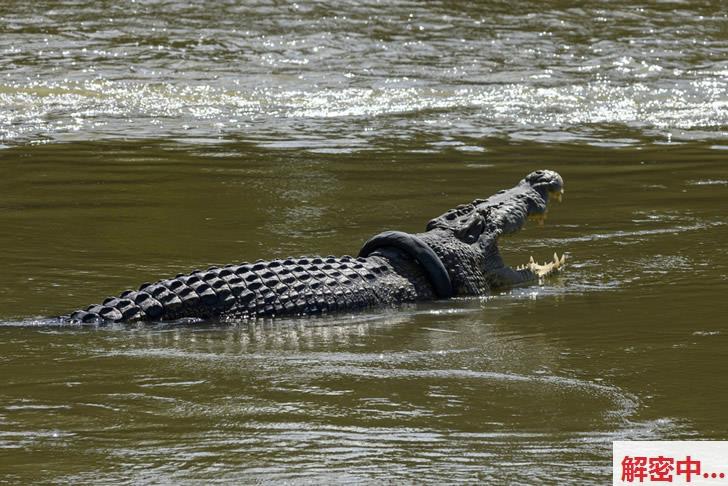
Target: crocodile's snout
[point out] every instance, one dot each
(546, 182)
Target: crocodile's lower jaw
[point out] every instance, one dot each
(545, 269)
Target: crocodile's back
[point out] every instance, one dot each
(300, 286)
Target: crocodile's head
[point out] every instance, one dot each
(481, 222)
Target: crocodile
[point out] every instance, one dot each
(457, 255)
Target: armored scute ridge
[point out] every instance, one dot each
(457, 256)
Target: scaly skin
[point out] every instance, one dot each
(464, 240)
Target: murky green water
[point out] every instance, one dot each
(145, 139)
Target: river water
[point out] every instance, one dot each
(141, 139)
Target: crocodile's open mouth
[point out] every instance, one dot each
(548, 267)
